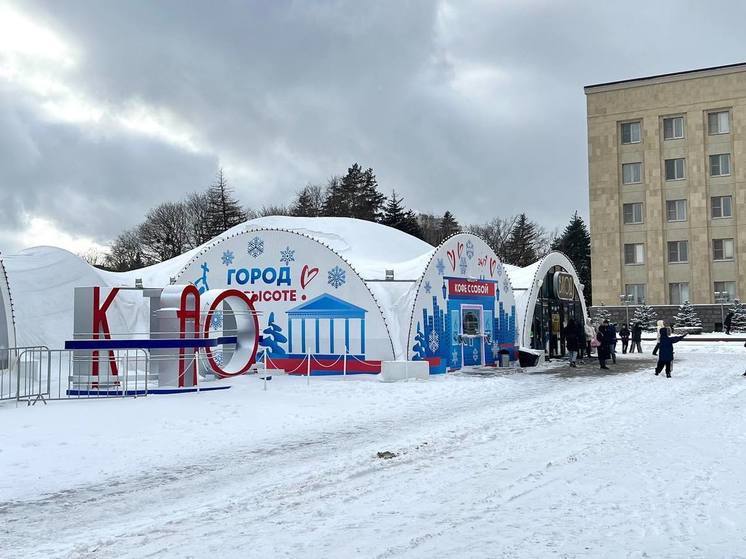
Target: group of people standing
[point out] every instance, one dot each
(582, 338)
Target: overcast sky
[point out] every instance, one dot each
(110, 107)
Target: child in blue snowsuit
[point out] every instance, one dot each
(665, 352)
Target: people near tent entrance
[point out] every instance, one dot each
(580, 329)
(610, 339)
(665, 349)
(624, 334)
(590, 336)
(728, 321)
(658, 327)
(603, 347)
(636, 338)
(571, 341)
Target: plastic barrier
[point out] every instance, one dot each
(392, 371)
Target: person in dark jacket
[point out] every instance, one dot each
(610, 340)
(580, 329)
(728, 321)
(665, 352)
(624, 334)
(603, 349)
(636, 338)
(571, 341)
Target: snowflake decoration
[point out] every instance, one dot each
(256, 247)
(470, 249)
(475, 354)
(500, 269)
(440, 267)
(433, 341)
(506, 284)
(287, 256)
(218, 357)
(462, 265)
(227, 257)
(336, 277)
(217, 320)
(428, 288)
(454, 357)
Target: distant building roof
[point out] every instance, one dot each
(672, 76)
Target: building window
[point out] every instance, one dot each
(722, 206)
(631, 133)
(678, 293)
(632, 213)
(722, 249)
(678, 251)
(676, 210)
(718, 123)
(674, 169)
(637, 290)
(727, 287)
(673, 128)
(631, 173)
(720, 165)
(634, 253)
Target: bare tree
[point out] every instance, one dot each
(165, 232)
(197, 206)
(495, 233)
(274, 210)
(95, 257)
(309, 201)
(126, 252)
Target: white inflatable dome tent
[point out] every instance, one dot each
(548, 293)
(7, 321)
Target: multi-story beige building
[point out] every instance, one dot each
(667, 173)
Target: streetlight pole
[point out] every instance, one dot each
(722, 297)
(626, 300)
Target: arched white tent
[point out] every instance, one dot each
(529, 282)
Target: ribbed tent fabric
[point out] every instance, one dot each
(7, 319)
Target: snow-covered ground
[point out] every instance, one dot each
(521, 465)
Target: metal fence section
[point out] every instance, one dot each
(38, 373)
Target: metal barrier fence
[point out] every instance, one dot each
(38, 373)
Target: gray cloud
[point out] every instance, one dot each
(441, 99)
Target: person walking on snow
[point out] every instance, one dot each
(636, 338)
(571, 341)
(590, 335)
(603, 347)
(665, 357)
(624, 334)
(580, 329)
(610, 340)
(658, 327)
(728, 321)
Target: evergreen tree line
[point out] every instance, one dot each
(172, 228)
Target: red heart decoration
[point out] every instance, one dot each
(452, 259)
(460, 249)
(493, 263)
(306, 275)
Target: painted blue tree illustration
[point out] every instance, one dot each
(419, 346)
(271, 340)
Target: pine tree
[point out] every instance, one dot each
(575, 242)
(393, 211)
(410, 224)
(687, 316)
(368, 201)
(419, 348)
(448, 226)
(309, 202)
(522, 248)
(223, 211)
(738, 322)
(600, 314)
(272, 339)
(646, 316)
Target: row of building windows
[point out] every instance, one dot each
(676, 210)
(718, 122)
(678, 251)
(678, 292)
(675, 169)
